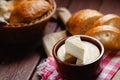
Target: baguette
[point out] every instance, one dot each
(108, 35)
(109, 19)
(82, 21)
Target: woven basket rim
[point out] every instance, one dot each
(36, 21)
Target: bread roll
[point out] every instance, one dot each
(109, 19)
(82, 21)
(27, 11)
(108, 35)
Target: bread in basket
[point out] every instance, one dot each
(26, 32)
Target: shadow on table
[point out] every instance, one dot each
(13, 53)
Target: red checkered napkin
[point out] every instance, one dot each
(110, 60)
(111, 63)
(47, 69)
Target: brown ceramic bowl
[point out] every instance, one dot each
(79, 72)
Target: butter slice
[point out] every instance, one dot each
(91, 53)
(63, 56)
(74, 47)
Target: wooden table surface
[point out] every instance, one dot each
(25, 67)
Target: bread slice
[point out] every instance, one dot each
(109, 19)
(82, 21)
(108, 35)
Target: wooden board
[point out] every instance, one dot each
(50, 39)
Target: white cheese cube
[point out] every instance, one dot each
(74, 47)
(63, 56)
(90, 54)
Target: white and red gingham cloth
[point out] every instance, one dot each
(111, 64)
(110, 61)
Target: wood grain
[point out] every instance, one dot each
(54, 22)
(50, 27)
(19, 70)
(63, 3)
(84, 4)
(110, 7)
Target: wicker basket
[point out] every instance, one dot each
(25, 33)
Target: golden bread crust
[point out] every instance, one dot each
(109, 19)
(108, 35)
(82, 21)
(26, 11)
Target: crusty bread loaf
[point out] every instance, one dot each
(108, 35)
(26, 11)
(82, 21)
(109, 19)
